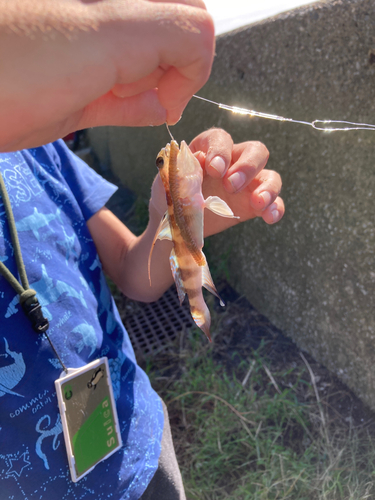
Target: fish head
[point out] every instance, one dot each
(167, 154)
(187, 163)
(166, 157)
(162, 158)
(162, 163)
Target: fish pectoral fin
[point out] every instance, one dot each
(164, 229)
(208, 283)
(175, 268)
(163, 232)
(219, 207)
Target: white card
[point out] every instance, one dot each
(89, 416)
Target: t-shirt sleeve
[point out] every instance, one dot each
(88, 187)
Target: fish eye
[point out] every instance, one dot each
(159, 162)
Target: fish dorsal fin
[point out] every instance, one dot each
(163, 232)
(177, 276)
(219, 207)
(208, 283)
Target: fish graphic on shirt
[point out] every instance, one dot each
(12, 373)
(47, 293)
(68, 245)
(88, 337)
(96, 264)
(37, 221)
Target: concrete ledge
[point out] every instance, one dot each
(313, 274)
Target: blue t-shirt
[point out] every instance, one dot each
(53, 193)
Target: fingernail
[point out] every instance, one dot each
(275, 215)
(266, 196)
(218, 164)
(237, 180)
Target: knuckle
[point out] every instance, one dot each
(262, 149)
(278, 181)
(219, 132)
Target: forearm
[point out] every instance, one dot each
(135, 281)
(125, 256)
(50, 51)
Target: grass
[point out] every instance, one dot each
(250, 426)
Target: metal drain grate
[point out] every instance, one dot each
(155, 325)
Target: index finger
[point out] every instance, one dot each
(217, 146)
(249, 158)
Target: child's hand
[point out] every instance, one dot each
(235, 173)
(257, 197)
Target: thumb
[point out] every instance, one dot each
(140, 110)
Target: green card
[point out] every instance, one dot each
(88, 415)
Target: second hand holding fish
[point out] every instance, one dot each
(258, 196)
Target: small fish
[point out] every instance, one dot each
(182, 178)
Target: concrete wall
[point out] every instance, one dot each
(313, 274)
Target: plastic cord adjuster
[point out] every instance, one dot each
(34, 312)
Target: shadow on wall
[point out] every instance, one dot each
(313, 274)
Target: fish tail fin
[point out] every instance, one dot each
(202, 319)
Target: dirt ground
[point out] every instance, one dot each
(243, 330)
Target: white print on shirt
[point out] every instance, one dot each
(96, 264)
(34, 404)
(68, 246)
(42, 427)
(64, 318)
(88, 337)
(21, 183)
(12, 371)
(16, 464)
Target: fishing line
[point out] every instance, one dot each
(170, 133)
(321, 125)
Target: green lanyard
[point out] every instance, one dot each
(27, 296)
